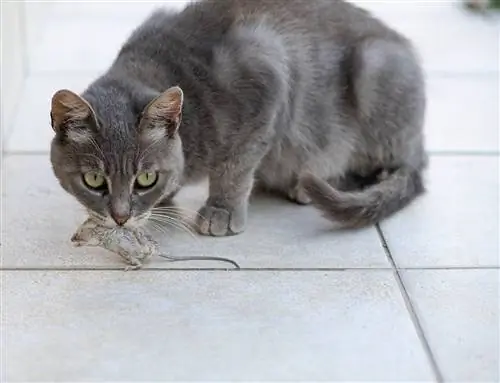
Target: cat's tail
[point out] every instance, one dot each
(354, 209)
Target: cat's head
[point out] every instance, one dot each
(117, 163)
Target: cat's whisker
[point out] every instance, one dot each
(174, 216)
(180, 228)
(186, 221)
(177, 216)
(174, 223)
(161, 229)
(177, 223)
(177, 210)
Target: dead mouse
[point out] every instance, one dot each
(134, 246)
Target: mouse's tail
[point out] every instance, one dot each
(368, 206)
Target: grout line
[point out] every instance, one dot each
(411, 309)
(111, 268)
(115, 268)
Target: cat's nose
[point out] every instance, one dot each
(120, 219)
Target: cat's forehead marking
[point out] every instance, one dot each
(123, 164)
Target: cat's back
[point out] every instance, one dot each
(205, 24)
(335, 19)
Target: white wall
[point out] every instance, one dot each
(37, 15)
(21, 30)
(13, 60)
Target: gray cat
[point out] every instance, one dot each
(299, 97)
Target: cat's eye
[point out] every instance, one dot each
(146, 180)
(94, 180)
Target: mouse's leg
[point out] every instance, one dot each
(148, 246)
(132, 267)
(134, 262)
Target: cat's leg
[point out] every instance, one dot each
(225, 211)
(252, 67)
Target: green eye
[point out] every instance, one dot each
(94, 180)
(146, 179)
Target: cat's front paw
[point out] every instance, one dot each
(220, 222)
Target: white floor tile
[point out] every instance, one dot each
(456, 222)
(41, 218)
(265, 326)
(460, 315)
(462, 113)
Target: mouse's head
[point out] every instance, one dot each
(86, 235)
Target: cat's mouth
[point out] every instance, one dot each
(105, 221)
(108, 222)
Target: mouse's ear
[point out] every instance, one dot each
(162, 116)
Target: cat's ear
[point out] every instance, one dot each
(162, 116)
(69, 109)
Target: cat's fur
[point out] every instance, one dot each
(296, 96)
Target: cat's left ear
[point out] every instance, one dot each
(162, 116)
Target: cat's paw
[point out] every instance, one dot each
(220, 222)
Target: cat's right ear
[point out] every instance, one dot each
(69, 109)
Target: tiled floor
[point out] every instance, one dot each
(416, 299)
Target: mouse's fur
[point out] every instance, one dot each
(135, 247)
